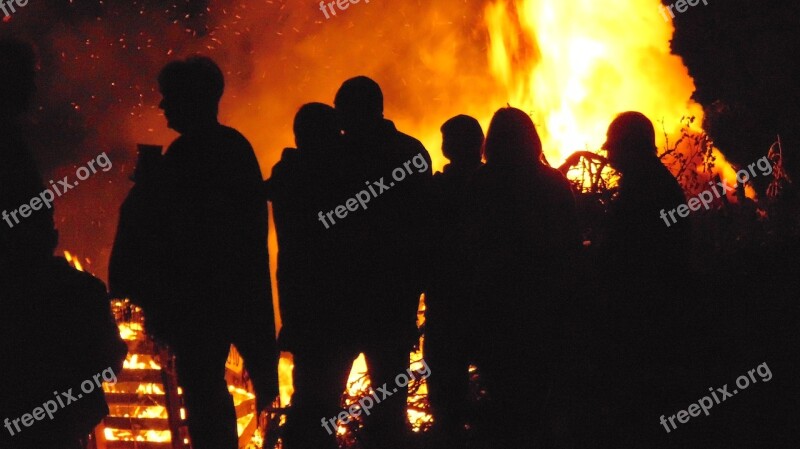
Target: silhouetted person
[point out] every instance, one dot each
(640, 242)
(313, 311)
(448, 298)
(299, 183)
(525, 237)
(462, 144)
(644, 263)
(203, 278)
(55, 322)
(384, 245)
(58, 333)
(33, 237)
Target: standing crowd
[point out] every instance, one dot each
(493, 242)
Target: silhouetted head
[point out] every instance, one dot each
(359, 103)
(191, 91)
(512, 139)
(630, 138)
(462, 140)
(17, 73)
(315, 126)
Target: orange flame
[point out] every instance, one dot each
(573, 64)
(72, 260)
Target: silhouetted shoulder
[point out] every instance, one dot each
(411, 142)
(236, 138)
(480, 176)
(283, 172)
(557, 180)
(409, 145)
(233, 134)
(80, 296)
(290, 161)
(233, 156)
(553, 175)
(71, 278)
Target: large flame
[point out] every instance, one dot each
(574, 64)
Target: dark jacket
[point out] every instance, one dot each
(57, 332)
(453, 272)
(304, 183)
(386, 244)
(191, 248)
(525, 239)
(640, 246)
(34, 236)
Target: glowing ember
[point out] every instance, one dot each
(140, 361)
(154, 436)
(285, 367)
(130, 331)
(73, 261)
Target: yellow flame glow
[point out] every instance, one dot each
(574, 64)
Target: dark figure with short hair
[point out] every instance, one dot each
(642, 260)
(201, 220)
(298, 183)
(448, 298)
(55, 322)
(304, 182)
(642, 245)
(385, 246)
(525, 239)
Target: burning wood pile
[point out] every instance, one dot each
(145, 404)
(146, 409)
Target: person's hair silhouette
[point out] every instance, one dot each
(630, 139)
(191, 90)
(462, 140)
(512, 139)
(360, 104)
(315, 126)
